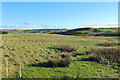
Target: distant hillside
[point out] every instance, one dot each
(75, 32)
(11, 31)
(43, 30)
(32, 31)
(91, 32)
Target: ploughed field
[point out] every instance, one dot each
(25, 55)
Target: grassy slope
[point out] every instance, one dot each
(77, 32)
(91, 32)
(31, 48)
(32, 31)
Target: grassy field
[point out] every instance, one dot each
(25, 55)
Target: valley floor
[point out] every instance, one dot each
(25, 55)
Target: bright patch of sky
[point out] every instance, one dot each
(58, 15)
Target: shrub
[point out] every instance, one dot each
(108, 44)
(61, 61)
(66, 48)
(106, 54)
(4, 32)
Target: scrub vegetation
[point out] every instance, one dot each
(35, 55)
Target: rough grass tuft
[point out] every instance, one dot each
(66, 48)
(108, 44)
(61, 61)
(106, 54)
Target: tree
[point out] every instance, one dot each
(4, 32)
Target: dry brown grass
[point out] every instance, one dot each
(106, 54)
(66, 48)
(108, 44)
(61, 61)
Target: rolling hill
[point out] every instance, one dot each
(75, 32)
(91, 32)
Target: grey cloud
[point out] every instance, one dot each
(29, 23)
(101, 25)
(53, 26)
(46, 25)
(11, 26)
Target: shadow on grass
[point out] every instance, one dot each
(44, 64)
(88, 59)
